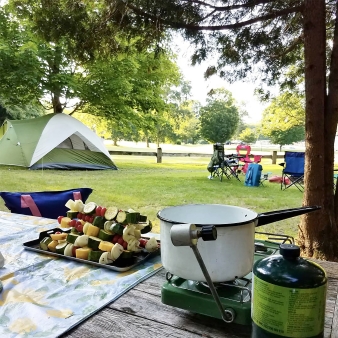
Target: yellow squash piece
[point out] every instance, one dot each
(65, 222)
(92, 230)
(52, 246)
(82, 253)
(58, 237)
(106, 246)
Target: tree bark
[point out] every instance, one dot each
(332, 104)
(57, 106)
(318, 230)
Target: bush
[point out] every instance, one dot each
(202, 142)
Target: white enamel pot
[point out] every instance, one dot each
(231, 255)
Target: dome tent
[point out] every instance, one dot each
(53, 141)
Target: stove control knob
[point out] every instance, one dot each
(208, 233)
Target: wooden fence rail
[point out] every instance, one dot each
(159, 154)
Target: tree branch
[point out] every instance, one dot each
(229, 8)
(214, 28)
(291, 47)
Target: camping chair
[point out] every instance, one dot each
(49, 204)
(293, 170)
(254, 176)
(264, 177)
(243, 153)
(231, 165)
(220, 166)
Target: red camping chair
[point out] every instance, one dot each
(243, 153)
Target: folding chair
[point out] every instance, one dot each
(220, 166)
(49, 204)
(264, 177)
(244, 155)
(243, 152)
(293, 170)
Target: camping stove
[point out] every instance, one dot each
(234, 296)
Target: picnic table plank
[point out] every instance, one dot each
(140, 312)
(108, 323)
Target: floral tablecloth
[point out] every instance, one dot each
(44, 296)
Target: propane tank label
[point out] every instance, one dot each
(288, 312)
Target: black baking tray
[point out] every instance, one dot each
(118, 265)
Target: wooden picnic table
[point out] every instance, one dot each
(140, 313)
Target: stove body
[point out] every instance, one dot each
(235, 296)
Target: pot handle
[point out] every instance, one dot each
(279, 215)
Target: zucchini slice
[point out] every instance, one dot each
(147, 228)
(143, 218)
(99, 222)
(122, 217)
(108, 225)
(94, 256)
(60, 248)
(71, 238)
(94, 242)
(89, 208)
(44, 243)
(72, 214)
(105, 236)
(132, 217)
(117, 229)
(111, 213)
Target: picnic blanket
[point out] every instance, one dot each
(45, 296)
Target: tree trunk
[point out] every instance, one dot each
(318, 229)
(55, 71)
(57, 106)
(332, 107)
(115, 142)
(147, 142)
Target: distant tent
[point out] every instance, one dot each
(53, 141)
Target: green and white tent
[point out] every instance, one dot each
(53, 141)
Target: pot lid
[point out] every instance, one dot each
(207, 214)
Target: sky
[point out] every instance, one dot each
(241, 91)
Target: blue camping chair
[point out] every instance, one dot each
(293, 171)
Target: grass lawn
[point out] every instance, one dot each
(145, 186)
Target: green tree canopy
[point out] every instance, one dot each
(45, 65)
(219, 117)
(248, 135)
(284, 119)
(289, 136)
(285, 111)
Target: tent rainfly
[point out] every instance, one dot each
(53, 141)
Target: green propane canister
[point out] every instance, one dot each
(288, 296)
